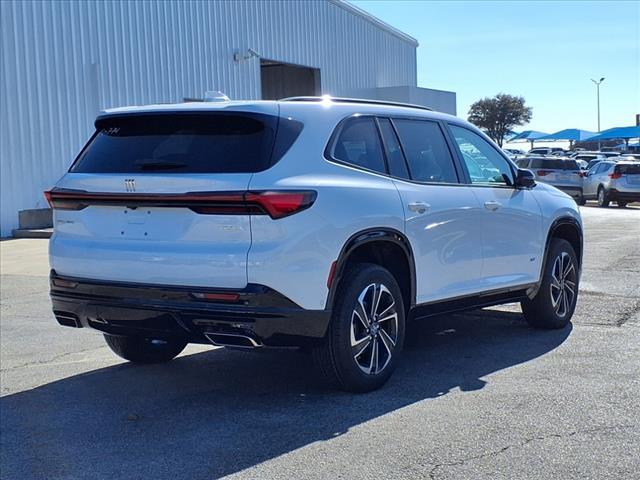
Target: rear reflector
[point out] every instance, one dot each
(276, 204)
(218, 297)
(332, 272)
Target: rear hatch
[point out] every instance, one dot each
(160, 198)
(626, 177)
(556, 171)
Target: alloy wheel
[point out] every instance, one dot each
(563, 284)
(374, 329)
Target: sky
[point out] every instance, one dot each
(545, 51)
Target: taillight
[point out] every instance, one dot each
(279, 204)
(276, 204)
(47, 195)
(615, 175)
(542, 173)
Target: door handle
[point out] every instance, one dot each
(493, 206)
(419, 207)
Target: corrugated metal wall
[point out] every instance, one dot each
(64, 61)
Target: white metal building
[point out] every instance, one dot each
(64, 61)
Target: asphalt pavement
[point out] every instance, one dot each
(477, 395)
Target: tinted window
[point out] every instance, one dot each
(395, 157)
(358, 144)
(485, 164)
(202, 143)
(426, 151)
(628, 169)
(522, 162)
(554, 164)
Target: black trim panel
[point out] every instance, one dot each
(554, 226)
(367, 236)
(471, 302)
(121, 308)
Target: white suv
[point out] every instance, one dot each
(307, 222)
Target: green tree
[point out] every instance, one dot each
(498, 115)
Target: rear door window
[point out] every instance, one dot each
(426, 151)
(358, 143)
(187, 143)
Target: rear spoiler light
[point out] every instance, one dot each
(275, 203)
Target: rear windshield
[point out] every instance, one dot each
(628, 169)
(189, 143)
(554, 164)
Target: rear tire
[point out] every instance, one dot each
(366, 334)
(144, 350)
(555, 302)
(603, 198)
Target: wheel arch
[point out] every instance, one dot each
(566, 228)
(381, 246)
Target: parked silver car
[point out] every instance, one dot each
(613, 181)
(563, 173)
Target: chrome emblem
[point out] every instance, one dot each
(130, 184)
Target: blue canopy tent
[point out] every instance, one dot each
(529, 135)
(623, 133)
(571, 134)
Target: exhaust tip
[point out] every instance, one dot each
(67, 319)
(236, 340)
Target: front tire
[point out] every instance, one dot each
(366, 333)
(555, 302)
(603, 198)
(144, 350)
(621, 204)
(581, 200)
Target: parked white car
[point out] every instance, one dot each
(307, 222)
(613, 181)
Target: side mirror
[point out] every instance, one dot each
(525, 178)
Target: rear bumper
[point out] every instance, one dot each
(256, 311)
(629, 196)
(575, 192)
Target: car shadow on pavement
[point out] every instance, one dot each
(215, 413)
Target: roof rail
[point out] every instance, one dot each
(353, 100)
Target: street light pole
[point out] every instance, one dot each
(598, 100)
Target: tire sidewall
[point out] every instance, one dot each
(360, 276)
(545, 308)
(603, 201)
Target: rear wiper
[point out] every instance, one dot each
(157, 165)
